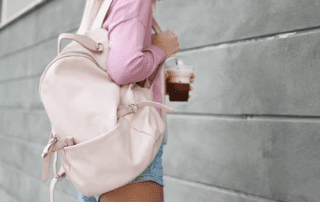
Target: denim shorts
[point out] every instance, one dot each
(154, 172)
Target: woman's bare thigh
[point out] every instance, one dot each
(146, 191)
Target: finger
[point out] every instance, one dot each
(176, 49)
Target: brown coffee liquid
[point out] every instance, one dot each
(178, 91)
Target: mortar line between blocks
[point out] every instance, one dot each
(262, 117)
(42, 183)
(6, 192)
(15, 139)
(21, 78)
(25, 48)
(199, 48)
(220, 189)
(271, 36)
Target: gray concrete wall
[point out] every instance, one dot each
(250, 131)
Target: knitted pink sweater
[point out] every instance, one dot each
(129, 23)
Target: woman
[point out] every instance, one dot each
(129, 24)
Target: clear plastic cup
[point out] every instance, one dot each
(179, 71)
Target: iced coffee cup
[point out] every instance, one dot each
(179, 74)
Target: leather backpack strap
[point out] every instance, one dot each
(93, 15)
(102, 14)
(150, 79)
(85, 41)
(153, 76)
(161, 69)
(89, 14)
(58, 176)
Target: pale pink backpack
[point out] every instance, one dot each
(106, 134)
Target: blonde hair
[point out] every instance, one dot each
(90, 11)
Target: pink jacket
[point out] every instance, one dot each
(129, 23)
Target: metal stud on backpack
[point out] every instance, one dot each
(106, 134)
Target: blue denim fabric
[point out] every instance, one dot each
(154, 172)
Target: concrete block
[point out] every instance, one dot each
(58, 17)
(26, 157)
(30, 126)
(17, 35)
(16, 65)
(28, 189)
(35, 60)
(5, 197)
(276, 159)
(22, 93)
(17, 93)
(219, 21)
(53, 18)
(180, 190)
(23, 155)
(203, 22)
(271, 76)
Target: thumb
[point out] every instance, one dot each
(167, 75)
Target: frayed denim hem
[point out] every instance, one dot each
(154, 172)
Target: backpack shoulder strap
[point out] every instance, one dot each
(152, 77)
(92, 14)
(101, 14)
(58, 176)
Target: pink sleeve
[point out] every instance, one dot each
(127, 62)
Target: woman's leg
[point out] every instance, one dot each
(147, 187)
(145, 191)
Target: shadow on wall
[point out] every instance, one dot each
(301, 199)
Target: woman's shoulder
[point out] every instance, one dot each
(144, 8)
(128, 9)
